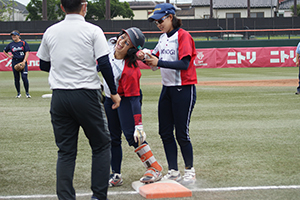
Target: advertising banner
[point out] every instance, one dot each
(210, 58)
(246, 57)
(33, 62)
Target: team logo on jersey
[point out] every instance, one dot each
(168, 51)
(17, 49)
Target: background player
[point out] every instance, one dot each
(128, 117)
(20, 52)
(175, 54)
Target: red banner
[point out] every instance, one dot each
(246, 57)
(210, 58)
(33, 62)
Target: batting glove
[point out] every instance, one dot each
(139, 134)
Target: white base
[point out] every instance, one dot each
(46, 96)
(137, 184)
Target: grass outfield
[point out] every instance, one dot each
(242, 137)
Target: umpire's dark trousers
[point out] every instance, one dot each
(69, 110)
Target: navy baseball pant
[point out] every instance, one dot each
(119, 120)
(175, 107)
(24, 75)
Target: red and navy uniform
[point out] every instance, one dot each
(176, 52)
(18, 50)
(128, 115)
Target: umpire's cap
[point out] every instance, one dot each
(136, 36)
(161, 10)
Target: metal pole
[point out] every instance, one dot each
(13, 11)
(107, 9)
(295, 8)
(271, 8)
(211, 9)
(44, 10)
(248, 8)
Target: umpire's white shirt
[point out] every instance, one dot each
(72, 46)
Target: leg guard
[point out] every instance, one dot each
(146, 156)
(154, 169)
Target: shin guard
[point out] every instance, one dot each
(146, 156)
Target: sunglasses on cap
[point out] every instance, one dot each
(157, 22)
(14, 33)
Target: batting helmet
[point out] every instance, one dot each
(136, 36)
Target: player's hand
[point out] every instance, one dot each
(140, 54)
(116, 99)
(139, 134)
(152, 60)
(297, 63)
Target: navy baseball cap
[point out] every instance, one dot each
(161, 10)
(14, 33)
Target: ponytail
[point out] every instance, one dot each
(176, 22)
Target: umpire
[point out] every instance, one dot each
(68, 51)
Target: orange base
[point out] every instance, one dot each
(162, 189)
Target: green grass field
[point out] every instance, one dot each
(242, 137)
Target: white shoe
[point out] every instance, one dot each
(172, 175)
(189, 177)
(115, 180)
(151, 175)
(28, 95)
(18, 96)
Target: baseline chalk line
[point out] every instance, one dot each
(134, 192)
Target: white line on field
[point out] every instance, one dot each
(134, 192)
(246, 188)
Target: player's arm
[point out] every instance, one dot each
(182, 64)
(45, 66)
(26, 57)
(139, 134)
(136, 109)
(7, 54)
(297, 59)
(105, 68)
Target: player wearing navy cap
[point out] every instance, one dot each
(128, 117)
(174, 55)
(20, 52)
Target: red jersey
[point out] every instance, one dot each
(179, 45)
(129, 83)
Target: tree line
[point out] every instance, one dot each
(95, 10)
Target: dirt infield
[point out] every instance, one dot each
(277, 82)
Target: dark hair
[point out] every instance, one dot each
(72, 6)
(131, 53)
(176, 22)
(131, 57)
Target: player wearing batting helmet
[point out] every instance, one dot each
(128, 117)
(174, 55)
